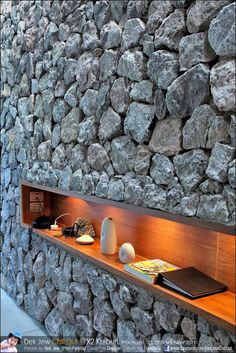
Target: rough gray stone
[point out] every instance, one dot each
(200, 13)
(232, 130)
(194, 49)
(51, 292)
(232, 174)
(102, 186)
(76, 20)
(87, 186)
(171, 31)
(103, 101)
(87, 131)
(60, 89)
(211, 187)
(50, 35)
(102, 13)
(54, 322)
(213, 208)
(48, 101)
(162, 170)
(83, 297)
(167, 315)
(126, 335)
(221, 32)
(88, 102)
(160, 104)
(65, 305)
(142, 161)
(163, 68)
(142, 91)
(64, 32)
(20, 283)
(110, 35)
(189, 328)
(78, 272)
(87, 70)
(57, 51)
(108, 64)
(222, 81)
(71, 95)
(24, 89)
(190, 168)
(44, 151)
(133, 192)
(188, 91)
(59, 157)
(73, 45)
(70, 124)
(219, 161)
(70, 72)
(78, 156)
(56, 135)
(208, 342)
(65, 178)
(110, 125)
(123, 153)
(154, 196)
(144, 321)
(104, 317)
(30, 39)
(120, 307)
(39, 270)
(97, 287)
(119, 95)
(85, 326)
(133, 30)
(167, 137)
(97, 157)
(221, 336)
(116, 190)
(138, 122)
(90, 36)
(131, 65)
(189, 205)
(229, 194)
(110, 283)
(157, 12)
(204, 129)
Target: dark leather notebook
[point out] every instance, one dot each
(190, 282)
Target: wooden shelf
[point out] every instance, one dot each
(179, 240)
(218, 308)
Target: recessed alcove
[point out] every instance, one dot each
(154, 234)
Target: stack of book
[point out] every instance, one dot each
(189, 281)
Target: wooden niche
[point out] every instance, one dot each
(180, 240)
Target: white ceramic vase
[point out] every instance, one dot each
(108, 237)
(126, 253)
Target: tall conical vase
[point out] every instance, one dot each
(108, 237)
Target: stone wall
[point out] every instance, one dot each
(127, 100)
(75, 299)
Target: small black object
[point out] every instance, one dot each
(68, 232)
(43, 222)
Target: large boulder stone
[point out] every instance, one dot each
(123, 153)
(97, 157)
(87, 70)
(223, 85)
(213, 208)
(131, 65)
(171, 31)
(157, 12)
(88, 103)
(110, 35)
(204, 129)
(160, 104)
(133, 30)
(108, 64)
(163, 68)
(142, 161)
(190, 168)
(154, 197)
(90, 36)
(200, 13)
(162, 170)
(119, 95)
(194, 49)
(221, 32)
(188, 91)
(70, 124)
(110, 125)
(221, 156)
(126, 335)
(167, 137)
(167, 315)
(87, 131)
(104, 317)
(138, 122)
